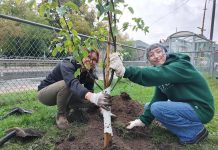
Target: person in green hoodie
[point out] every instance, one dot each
(182, 101)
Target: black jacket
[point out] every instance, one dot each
(65, 71)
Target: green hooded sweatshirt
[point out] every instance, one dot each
(176, 80)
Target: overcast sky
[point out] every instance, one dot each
(165, 17)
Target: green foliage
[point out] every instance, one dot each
(129, 54)
(131, 10)
(27, 43)
(113, 6)
(19, 8)
(139, 25)
(17, 39)
(67, 15)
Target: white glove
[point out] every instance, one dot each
(116, 64)
(135, 123)
(100, 99)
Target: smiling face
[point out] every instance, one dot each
(91, 60)
(157, 56)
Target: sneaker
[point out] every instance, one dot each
(200, 137)
(62, 122)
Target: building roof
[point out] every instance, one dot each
(141, 44)
(186, 35)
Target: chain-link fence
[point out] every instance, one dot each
(25, 58)
(204, 62)
(202, 51)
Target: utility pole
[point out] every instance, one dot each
(212, 20)
(202, 27)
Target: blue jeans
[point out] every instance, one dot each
(179, 118)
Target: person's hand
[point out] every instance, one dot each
(116, 64)
(100, 99)
(135, 123)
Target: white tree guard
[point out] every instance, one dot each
(107, 121)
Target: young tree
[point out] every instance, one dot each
(68, 40)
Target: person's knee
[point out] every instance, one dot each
(44, 100)
(156, 108)
(47, 97)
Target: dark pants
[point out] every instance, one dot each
(58, 94)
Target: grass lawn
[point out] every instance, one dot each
(43, 118)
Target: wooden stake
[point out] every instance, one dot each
(107, 67)
(107, 139)
(107, 114)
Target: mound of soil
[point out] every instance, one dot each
(90, 136)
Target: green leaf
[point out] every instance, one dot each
(70, 24)
(77, 73)
(76, 41)
(55, 40)
(117, 11)
(63, 23)
(61, 10)
(146, 29)
(72, 5)
(100, 9)
(76, 55)
(131, 10)
(111, 7)
(125, 25)
(57, 49)
(42, 9)
(107, 8)
(67, 43)
(85, 53)
(136, 20)
(74, 32)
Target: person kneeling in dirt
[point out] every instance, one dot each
(61, 86)
(182, 101)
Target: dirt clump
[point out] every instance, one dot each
(89, 135)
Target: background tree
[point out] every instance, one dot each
(18, 39)
(129, 54)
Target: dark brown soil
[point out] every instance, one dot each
(90, 135)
